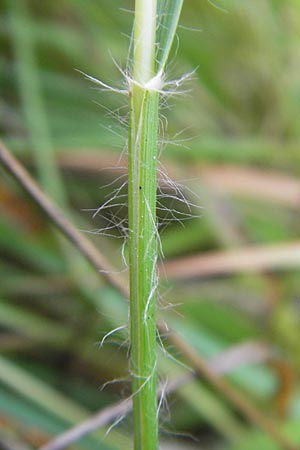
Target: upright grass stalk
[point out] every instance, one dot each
(144, 91)
(142, 237)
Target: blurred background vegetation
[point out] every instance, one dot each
(233, 141)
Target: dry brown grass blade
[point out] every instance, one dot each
(98, 261)
(260, 184)
(84, 245)
(92, 160)
(18, 211)
(287, 384)
(247, 259)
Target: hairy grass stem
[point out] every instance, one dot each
(144, 92)
(142, 237)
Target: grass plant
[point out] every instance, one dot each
(145, 88)
(243, 123)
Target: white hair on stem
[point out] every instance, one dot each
(110, 333)
(115, 423)
(146, 379)
(172, 357)
(155, 233)
(114, 381)
(154, 282)
(162, 396)
(103, 85)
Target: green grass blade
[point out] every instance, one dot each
(31, 95)
(55, 403)
(39, 392)
(34, 326)
(168, 12)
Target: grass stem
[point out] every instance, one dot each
(142, 225)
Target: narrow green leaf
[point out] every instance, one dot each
(168, 12)
(39, 392)
(48, 398)
(33, 325)
(32, 417)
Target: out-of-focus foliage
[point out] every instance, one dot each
(241, 111)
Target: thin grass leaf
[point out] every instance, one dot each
(256, 439)
(33, 326)
(34, 389)
(31, 251)
(48, 398)
(30, 417)
(29, 84)
(168, 12)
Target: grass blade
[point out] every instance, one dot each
(168, 12)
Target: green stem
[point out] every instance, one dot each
(142, 226)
